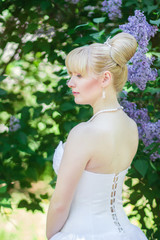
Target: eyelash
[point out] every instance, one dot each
(79, 75)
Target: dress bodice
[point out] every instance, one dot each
(96, 211)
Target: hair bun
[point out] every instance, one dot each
(124, 46)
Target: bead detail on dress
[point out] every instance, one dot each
(112, 203)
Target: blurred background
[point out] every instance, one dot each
(37, 109)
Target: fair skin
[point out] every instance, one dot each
(90, 89)
(111, 130)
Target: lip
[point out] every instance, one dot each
(75, 93)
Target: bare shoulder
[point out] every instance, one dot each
(77, 151)
(134, 135)
(78, 128)
(134, 126)
(82, 131)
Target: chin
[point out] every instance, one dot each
(82, 102)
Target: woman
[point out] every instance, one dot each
(91, 167)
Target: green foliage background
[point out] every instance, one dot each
(35, 37)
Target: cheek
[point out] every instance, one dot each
(91, 85)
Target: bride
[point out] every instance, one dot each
(92, 164)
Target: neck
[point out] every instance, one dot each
(107, 103)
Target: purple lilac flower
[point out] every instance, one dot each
(140, 116)
(112, 7)
(125, 93)
(14, 124)
(139, 69)
(129, 107)
(154, 156)
(139, 27)
(149, 132)
(152, 133)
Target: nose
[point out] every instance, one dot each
(71, 82)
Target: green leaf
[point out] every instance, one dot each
(32, 173)
(34, 205)
(2, 78)
(130, 3)
(135, 196)
(67, 106)
(152, 177)
(150, 108)
(5, 202)
(23, 204)
(115, 30)
(97, 36)
(99, 20)
(83, 40)
(32, 27)
(43, 46)
(44, 196)
(22, 137)
(2, 20)
(25, 114)
(86, 25)
(28, 47)
(69, 125)
(70, 31)
(150, 146)
(25, 148)
(156, 54)
(63, 73)
(156, 22)
(141, 166)
(37, 112)
(46, 98)
(152, 165)
(15, 38)
(151, 8)
(2, 92)
(152, 90)
(3, 187)
(128, 182)
(45, 5)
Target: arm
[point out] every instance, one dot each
(76, 154)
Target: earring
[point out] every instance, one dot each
(103, 94)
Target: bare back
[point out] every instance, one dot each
(114, 141)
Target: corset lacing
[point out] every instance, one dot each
(112, 203)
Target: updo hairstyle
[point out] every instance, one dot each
(112, 56)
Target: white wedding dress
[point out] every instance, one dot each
(96, 211)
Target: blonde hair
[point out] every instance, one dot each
(112, 56)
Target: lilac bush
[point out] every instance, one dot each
(139, 27)
(139, 69)
(112, 7)
(149, 132)
(140, 72)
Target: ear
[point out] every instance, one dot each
(106, 78)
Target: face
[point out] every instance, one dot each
(85, 89)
